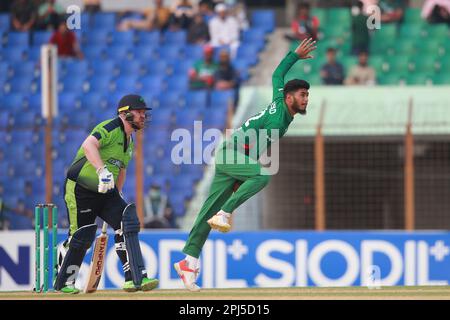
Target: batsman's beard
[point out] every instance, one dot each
(136, 126)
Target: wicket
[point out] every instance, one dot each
(44, 209)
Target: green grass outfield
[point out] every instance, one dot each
(311, 293)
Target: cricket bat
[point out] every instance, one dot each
(97, 261)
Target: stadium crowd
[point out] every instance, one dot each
(214, 27)
(392, 12)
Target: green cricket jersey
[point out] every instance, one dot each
(275, 116)
(115, 151)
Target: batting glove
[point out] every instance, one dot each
(105, 180)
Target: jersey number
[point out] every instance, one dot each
(259, 115)
(272, 109)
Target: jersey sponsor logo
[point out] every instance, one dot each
(86, 211)
(263, 259)
(115, 162)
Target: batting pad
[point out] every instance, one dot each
(131, 228)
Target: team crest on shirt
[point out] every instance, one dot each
(273, 108)
(115, 162)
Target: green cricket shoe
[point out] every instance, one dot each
(148, 284)
(129, 286)
(69, 289)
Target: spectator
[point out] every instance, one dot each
(332, 72)
(158, 212)
(362, 73)
(29, 192)
(332, 3)
(392, 10)
(66, 41)
(225, 76)
(205, 9)
(7, 210)
(198, 32)
(160, 16)
(28, 197)
(23, 15)
(5, 6)
(4, 222)
(436, 11)
(224, 29)
(23, 209)
(360, 32)
(152, 18)
(167, 222)
(49, 14)
(304, 26)
(92, 6)
(182, 15)
(201, 76)
(240, 13)
(170, 217)
(367, 6)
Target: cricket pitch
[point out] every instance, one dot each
(291, 293)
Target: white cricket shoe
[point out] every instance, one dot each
(220, 221)
(189, 276)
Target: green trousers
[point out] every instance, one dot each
(252, 178)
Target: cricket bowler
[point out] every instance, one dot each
(288, 100)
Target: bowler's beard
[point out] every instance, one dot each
(299, 109)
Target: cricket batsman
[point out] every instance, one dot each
(250, 177)
(94, 188)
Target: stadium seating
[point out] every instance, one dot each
(194, 52)
(254, 37)
(5, 21)
(41, 38)
(263, 19)
(130, 68)
(248, 53)
(12, 54)
(33, 54)
(145, 52)
(126, 39)
(104, 21)
(156, 69)
(198, 98)
(99, 83)
(153, 64)
(118, 53)
(186, 118)
(18, 39)
(148, 38)
(396, 49)
(170, 100)
(103, 67)
(75, 68)
(174, 37)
